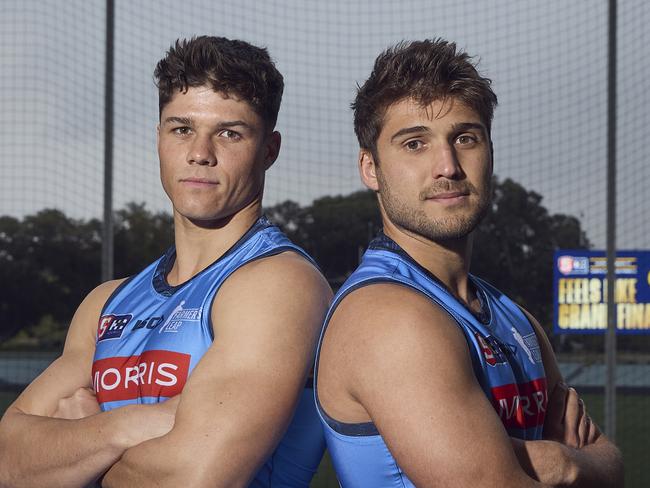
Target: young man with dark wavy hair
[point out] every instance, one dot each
(427, 375)
(193, 372)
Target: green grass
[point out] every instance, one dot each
(325, 476)
(633, 434)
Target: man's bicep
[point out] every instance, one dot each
(416, 382)
(72, 370)
(242, 394)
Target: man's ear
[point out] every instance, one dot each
(491, 157)
(273, 143)
(368, 169)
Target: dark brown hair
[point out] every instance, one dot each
(425, 71)
(232, 67)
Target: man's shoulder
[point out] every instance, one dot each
(100, 294)
(288, 268)
(273, 281)
(388, 311)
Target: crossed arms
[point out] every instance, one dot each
(239, 399)
(411, 373)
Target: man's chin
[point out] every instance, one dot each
(201, 217)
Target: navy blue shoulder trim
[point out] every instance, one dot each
(352, 429)
(361, 429)
(115, 292)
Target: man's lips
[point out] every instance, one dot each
(194, 181)
(448, 195)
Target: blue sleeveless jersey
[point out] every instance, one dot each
(151, 336)
(505, 354)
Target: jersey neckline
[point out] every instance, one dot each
(484, 316)
(165, 263)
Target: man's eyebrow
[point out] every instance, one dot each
(234, 123)
(409, 130)
(225, 124)
(463, 126)
(178, 120)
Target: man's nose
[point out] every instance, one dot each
(202, 152)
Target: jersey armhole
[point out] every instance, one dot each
(115, 292)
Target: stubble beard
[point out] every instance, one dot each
(416, 221)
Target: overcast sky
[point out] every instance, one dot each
(548, 62)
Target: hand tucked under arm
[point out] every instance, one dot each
(81, 404)
(45, 451)
(73, 450)
(574, 452)
(567, 420)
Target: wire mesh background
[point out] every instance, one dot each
(548, 62)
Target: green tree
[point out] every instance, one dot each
(514, 246)
(333, 230)
(140, 237)
(49, 263)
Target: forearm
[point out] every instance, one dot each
(158, 462)
(546, 461)
(596, 465)
(44, 451)
(192, 455)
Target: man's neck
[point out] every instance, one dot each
(447, 260)
(199, 244)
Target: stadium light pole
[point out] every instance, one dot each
(107, 227)
(610, 338)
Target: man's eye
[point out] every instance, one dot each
(414, 145)
(181, 131)
(231, 134)
(466, 140)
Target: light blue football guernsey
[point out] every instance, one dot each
(505, 354)
(151, 336)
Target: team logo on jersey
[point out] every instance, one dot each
(491, 349)
(155, 373)
(179, 316)
(112, 326)
(529, 345)
(523, 405)
(148, 323)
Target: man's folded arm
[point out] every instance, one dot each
(240, 398)
(575, 452)
(40, 450)
(411, 370)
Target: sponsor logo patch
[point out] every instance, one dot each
(179, 316)
(491, 349)
(529, 344)
(523, 405)
(148, 323)
(154, 373)
(112, 326)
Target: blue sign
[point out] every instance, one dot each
(580, 292)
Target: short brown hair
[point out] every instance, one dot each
(229, 66)
(425, 71)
